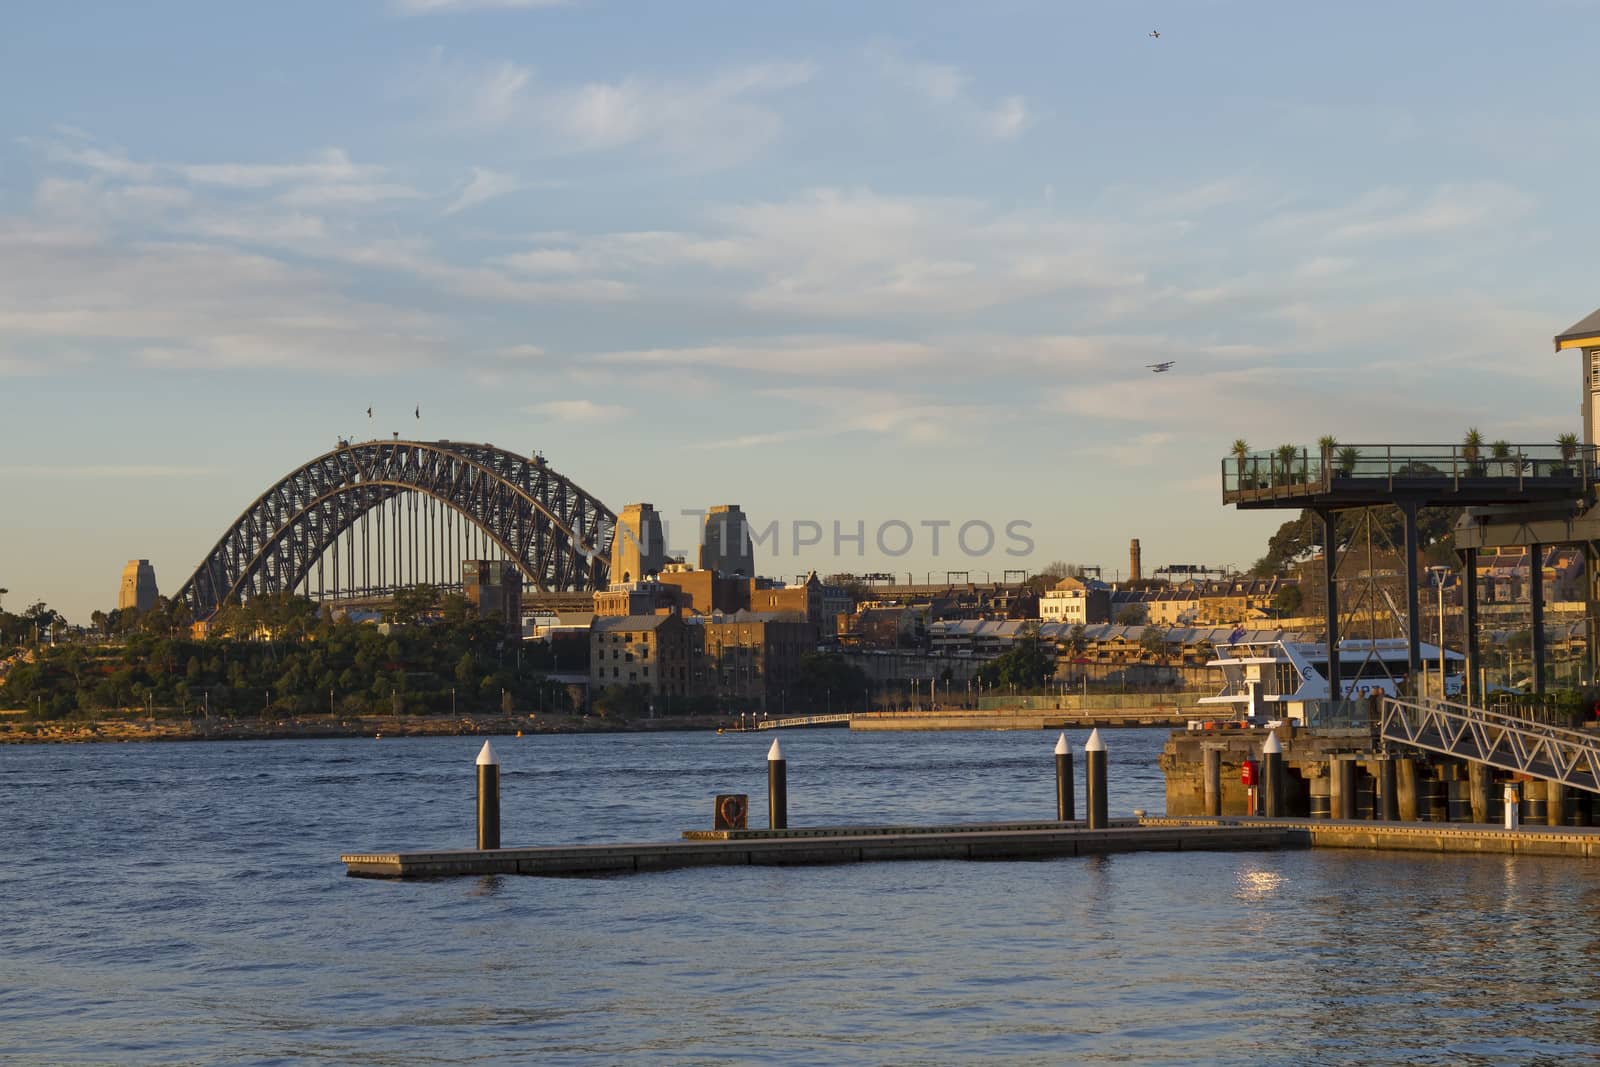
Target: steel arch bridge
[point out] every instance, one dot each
(424, 506)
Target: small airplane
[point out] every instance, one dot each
(1155, 33)
(1161, 368)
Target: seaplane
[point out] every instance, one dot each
(1160, 368)
(1155, 33)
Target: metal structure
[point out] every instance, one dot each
(1335, 478)
(373, 516)
(1570, 757)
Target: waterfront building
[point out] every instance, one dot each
(639, 598)
(138, 588)
(649, 650)
(752, 658)
(1076, 601)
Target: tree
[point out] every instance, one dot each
(1077, 640)
(1287, 601)
(1025, 666)
(1154, 642)
(1349, 456)
(1500, 452)
(1130, 615)
(1286, 458)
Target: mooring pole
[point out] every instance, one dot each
(1272, 776)
(1066, 803)
(777, 788)
(1094, 757)
(488, 798)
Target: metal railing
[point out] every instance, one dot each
(1321, 468)
(1555, 753)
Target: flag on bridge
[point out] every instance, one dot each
(1237, 633)
(419, 411)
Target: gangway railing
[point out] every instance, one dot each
(1571, 757)
(801, 720)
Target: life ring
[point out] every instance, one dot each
(732, 810)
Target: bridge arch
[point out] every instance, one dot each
(557, 535)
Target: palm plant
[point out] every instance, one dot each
(1500, 451)
(1287, 454)
(1241, 454)
(1349, 455)
(1471, 448)
(1567, 442)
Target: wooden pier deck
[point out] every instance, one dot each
(987, 841)
(844, 844)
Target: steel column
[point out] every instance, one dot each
(1408, 509)
(1330, 590)
(1536, 612)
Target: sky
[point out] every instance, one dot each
(854, 263)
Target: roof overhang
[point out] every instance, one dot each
(1582, 334)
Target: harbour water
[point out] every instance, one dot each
(184, 904)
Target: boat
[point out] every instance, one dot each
(1267, 680)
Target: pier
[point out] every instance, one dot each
(995, 841)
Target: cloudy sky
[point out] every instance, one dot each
(839, 262)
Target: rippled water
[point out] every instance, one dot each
(184, 903)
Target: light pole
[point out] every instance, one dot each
(1438, 581)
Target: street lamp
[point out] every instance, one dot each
(1438, 581)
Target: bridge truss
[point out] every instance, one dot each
(1570, 757)
(373, 516)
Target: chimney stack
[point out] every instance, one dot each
(1134, 573)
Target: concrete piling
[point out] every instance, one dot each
(1212, 771)
(1478, 791)
(1272, 777)
(488, 798)
(1344, 789)
(1094, 758)
(1066, 803)
(777, 788)
(1555, 803)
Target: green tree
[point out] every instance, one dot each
(1241, 456)
(1026, 665)
(1130, 615)
(1154, 642)
(1472, 448)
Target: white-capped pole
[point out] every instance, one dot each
(777, 788)
(488, 798)
(1272, 777)
(1094, 771)
(1512, 799)
(1066, 803)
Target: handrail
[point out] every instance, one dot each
(1555, 753)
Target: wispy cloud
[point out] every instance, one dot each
(1388, 213)
(483, 186)
(947, 86)
(704, 124)
(578, 410)
(102, 472)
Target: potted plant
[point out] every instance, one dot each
(1500, 451)
(1284, 464)
(1568, 443)
(1471, 449)
(1241, 454)
(1349, 456)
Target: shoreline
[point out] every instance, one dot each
(119, 731)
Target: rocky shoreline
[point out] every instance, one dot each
(376, 726)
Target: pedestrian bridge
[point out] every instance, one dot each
(1509, 742)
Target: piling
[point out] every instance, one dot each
(1094, 758)
(1406, 788)
(1066, 803)
(488, 798)
(777, 788)
(1478, 790)
(1511, 806)
(1344, 787)
(1388, 790)
(1555, 803)
(1272, 777)
(1211, 758)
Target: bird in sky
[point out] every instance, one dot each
(1160, 368)
(1155, 33)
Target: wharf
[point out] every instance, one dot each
(1023, 719)
(987, 841)
(824, 845)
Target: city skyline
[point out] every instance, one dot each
(899, 263)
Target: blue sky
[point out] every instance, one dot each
(836, 262)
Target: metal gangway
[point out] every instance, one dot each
(1511, 743)
(803, 720)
